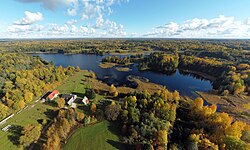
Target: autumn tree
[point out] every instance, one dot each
(199, 102)
(52, 143)
(90, 93)
(93, 108)
(4, 110)
(60, 102)
(80, 116)
(30, 133)
(162, 137)
(112, 112)
(28, 96)
(113, 91)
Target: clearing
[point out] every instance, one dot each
(101, 136)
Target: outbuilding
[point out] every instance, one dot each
(53, 95)
(85, 100)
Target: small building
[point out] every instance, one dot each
(73, 105)
(5, 129)
(53, 95)
(85, 100)
(69, 98)
(72, 99)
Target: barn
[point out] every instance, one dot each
(53, 95)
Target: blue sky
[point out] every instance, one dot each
(125, 18)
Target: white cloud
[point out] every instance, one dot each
(27, 28)
(99, 22)
(71, 22)
(93, 23)
(57, 29)
(94, 12)
(74, 7)
(98, 10)
(91, 11)
(71, 31)
(248, 21)
(220, 27)
(114, 29)
(30, 18)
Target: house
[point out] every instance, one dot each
(85, 100)
(53, 95)
(69, 98)
(73, 105)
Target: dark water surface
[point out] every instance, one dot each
(186, 84)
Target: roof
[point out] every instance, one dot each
(66, 97)
(72, 99)
(53, 94)
(73, 105)
(85, 100)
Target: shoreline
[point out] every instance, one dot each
(203, 75)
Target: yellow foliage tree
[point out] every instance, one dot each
(162, 137)
(93, 107)
(115, 94)
(112, 89)
(235, 129)
(21, 104)
(198, 103)
(213, 108)
(60, 102)
(28, 96)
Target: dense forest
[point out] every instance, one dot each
(149, 118)
(164, 120)
(165, 63)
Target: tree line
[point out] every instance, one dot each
(231, 50)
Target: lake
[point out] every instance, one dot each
(186, 84)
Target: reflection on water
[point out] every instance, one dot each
(185, 83)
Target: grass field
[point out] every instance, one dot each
(31, 115)
(76, 85)
(101, 136)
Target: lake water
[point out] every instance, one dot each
(186, 84)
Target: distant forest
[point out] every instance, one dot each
(234, 50)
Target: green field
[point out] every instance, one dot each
(75, 85)
(31, 115)
(101, 136)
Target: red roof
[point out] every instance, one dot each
(53, 94)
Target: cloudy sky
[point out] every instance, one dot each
(124, 18)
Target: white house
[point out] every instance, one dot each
(85, 100)
(73, 105)
(71, 100)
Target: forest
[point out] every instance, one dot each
(150, 122)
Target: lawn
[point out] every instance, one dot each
(31, 115)
(76, 85)
(101, 136)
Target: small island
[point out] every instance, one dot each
(124, 69)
